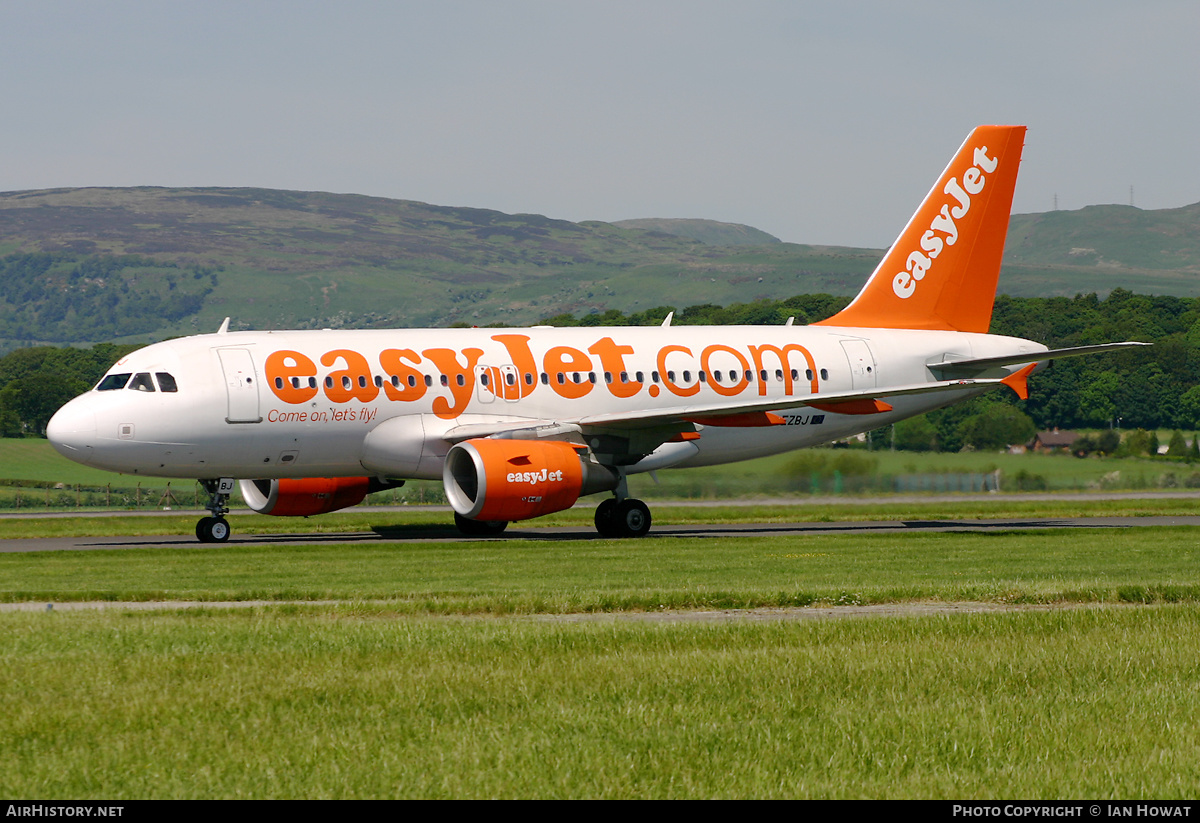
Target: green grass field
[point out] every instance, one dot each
(33, 476)
(462, 670)
(577, 668)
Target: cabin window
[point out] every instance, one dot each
(113, 381)
(528, 378)
(279, 382)
(824, 374)
(483, 378)
(458, 378)
(640, 377)
(608, 377)
(654, 376)
(703, 376)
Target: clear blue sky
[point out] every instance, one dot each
(818, 122)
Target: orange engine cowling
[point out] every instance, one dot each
(302, 496)
(518, 479)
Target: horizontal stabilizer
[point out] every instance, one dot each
(981, 364)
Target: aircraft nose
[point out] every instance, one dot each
(72, 431)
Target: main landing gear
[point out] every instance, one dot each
(622, 518)
(215, 529)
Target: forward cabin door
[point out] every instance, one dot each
(241, 384)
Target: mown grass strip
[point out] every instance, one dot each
(524, 576)
(402, 520)
(341, 703)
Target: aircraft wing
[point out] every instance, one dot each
(755, 413)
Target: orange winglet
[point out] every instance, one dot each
(853, 407)
(745, 420)
(1018, 381)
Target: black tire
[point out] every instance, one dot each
(631, 518)
(606, 518)
(212, 530)
(479, 528)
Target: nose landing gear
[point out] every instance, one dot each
(215, 529)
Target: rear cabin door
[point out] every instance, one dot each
(862, 364)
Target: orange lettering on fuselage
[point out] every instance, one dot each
(568, 369)
(568, 372)
(461, 379)
(403, 382)
(612, 360)
(292, 376)
(522, 360)
(353, 382)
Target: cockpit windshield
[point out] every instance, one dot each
(142, 382)
(112, 382)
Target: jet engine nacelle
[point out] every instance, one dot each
(303, 496)
(519, 479)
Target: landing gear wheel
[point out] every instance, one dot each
(631, 518)
(479, 528)
(212, 530)
(606, 518)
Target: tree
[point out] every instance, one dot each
(1177, 446)
(996, 427)
(916, 434)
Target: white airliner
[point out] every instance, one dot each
(519, 423)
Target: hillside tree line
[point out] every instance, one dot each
(1150, 388)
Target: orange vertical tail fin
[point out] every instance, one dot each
(942, 270)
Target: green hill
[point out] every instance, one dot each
(80, 265)
(710, 232)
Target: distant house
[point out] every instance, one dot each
(1053, 441)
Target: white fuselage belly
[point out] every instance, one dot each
(302, 404)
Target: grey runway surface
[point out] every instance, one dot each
(447, 533)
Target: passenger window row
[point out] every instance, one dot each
(560, 377)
